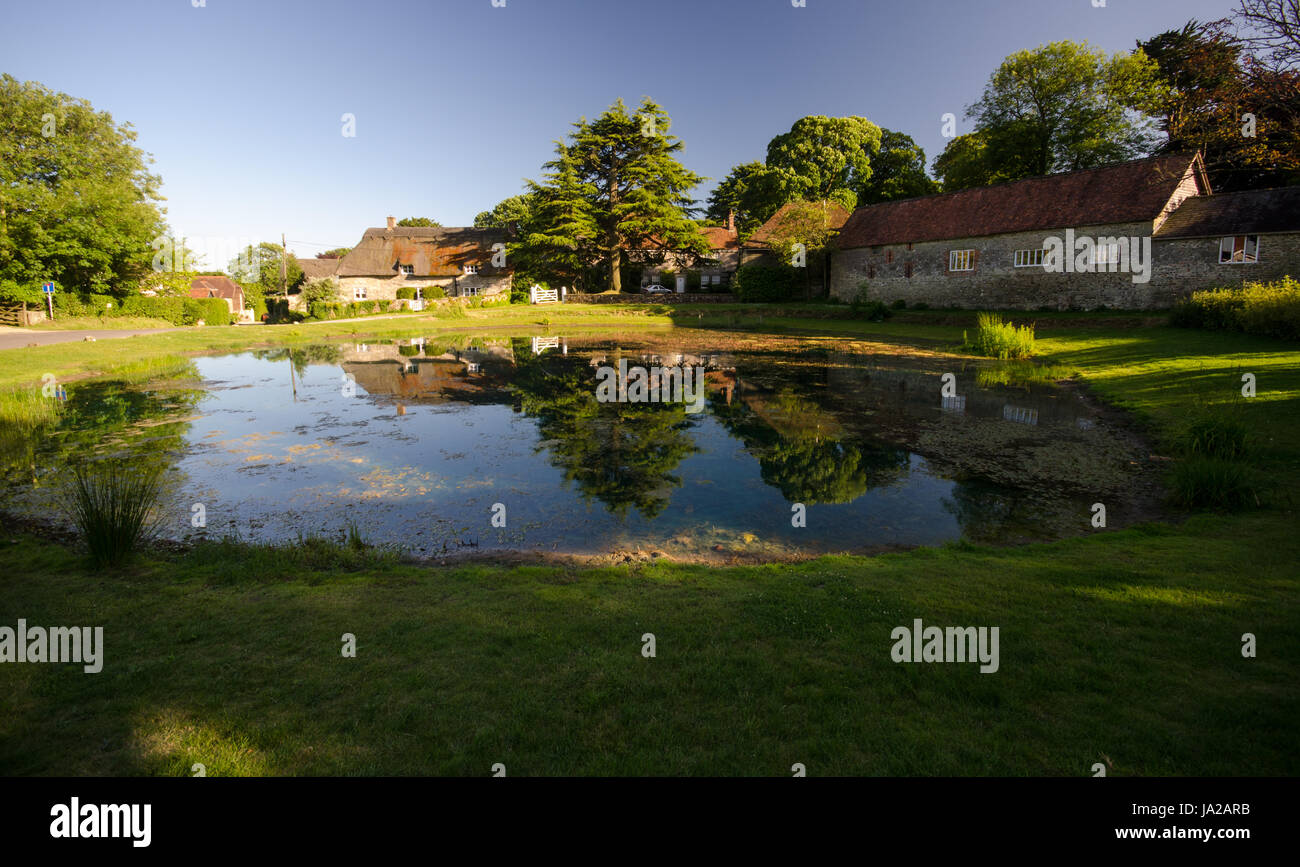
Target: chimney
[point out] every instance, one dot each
(731, 222)
(392, 223)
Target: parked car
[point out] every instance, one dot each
(657, 289)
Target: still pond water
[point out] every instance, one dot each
(415, 442)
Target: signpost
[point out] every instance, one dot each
(49, 298)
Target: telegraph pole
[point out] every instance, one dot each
(284, 270)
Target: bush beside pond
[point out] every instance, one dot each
(1268, 309)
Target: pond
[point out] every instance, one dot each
(455, 445)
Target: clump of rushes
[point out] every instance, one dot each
(112, 502)
(1213, 472)
(999, 339)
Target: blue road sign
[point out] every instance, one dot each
(49, 288)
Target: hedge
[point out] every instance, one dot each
(767, 282)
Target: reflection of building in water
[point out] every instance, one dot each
(1020, 414)
(910, 392)
(477, 375)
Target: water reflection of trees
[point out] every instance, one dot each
(146, 423)
(804, 453)
(622, 454)
(302, 357)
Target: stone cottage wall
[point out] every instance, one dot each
(385, 288)
(1178, 268)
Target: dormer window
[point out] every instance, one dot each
(408, 270)
(471, 269)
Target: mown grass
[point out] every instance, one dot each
(1121, 647)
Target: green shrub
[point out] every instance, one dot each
(320, 310)
(766, 282)
(999, 339)
(406, 293)
(112, 503)
(408, 351)
(863, 307)
(899, 304)
(435, 292)
(1211, 483)
(70, 304)
(326, 290)
(1268, 309)
(1217, 433)
(920, 305)
(518, 296)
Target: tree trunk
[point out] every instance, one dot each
(616, 270)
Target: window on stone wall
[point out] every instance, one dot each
(961, 260)
(1105, 254)
(471, 269)
(359, 293)
(907, 270)
(1239, 250)
(1030, 258)
(889, 257)
(871, 271)
(469, 290)
(408, 270)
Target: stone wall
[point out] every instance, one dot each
(385, 288)
(919, 272)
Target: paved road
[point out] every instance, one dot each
(12, 338)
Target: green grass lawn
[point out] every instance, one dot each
(1122, 647)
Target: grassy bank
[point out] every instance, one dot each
(1123, 647)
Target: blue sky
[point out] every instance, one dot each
(456, 101)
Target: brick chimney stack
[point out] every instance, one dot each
(392, 223)
(731, 222)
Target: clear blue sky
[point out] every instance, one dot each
(457, 101)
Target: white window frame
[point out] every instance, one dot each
(359, 293)
(1249, 253)
(407, 270)
(471, 291)
(471, 269)
(1105, 254)
(1031, 258)
(961, 260)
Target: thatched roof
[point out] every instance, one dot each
(432, 252)
(317, 269)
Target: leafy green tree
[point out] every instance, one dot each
(1059, 107)
(418, 223)
(897, 171)
(750, 192)
(516, 210)
(258, 268)
(336, 253)
(78, 204)
(619, 173)
(1212, 86)
(824, 158)
(809, 224)
(560, 242)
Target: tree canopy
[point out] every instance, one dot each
(516, 210)
(616, 186)
(78, 205)
(1060, 107)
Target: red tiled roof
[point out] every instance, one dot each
(1130, 192)
(719, 237)
(1255, 212)
(216, 287)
